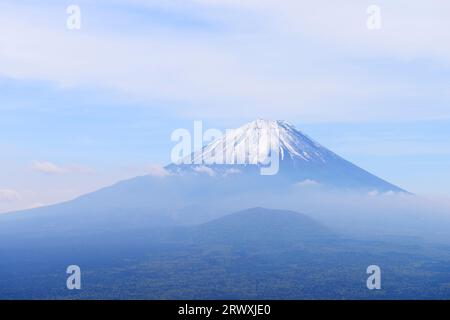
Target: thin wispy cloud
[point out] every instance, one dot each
(7, 195)
(48, 167)
(156, 170)
(54, 169)
(307, 183)
(292, 63)
(205, 170)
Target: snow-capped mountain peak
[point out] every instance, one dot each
(256, 141)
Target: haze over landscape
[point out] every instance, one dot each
(224, 149)
(153, 228)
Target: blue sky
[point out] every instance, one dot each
(81, 109)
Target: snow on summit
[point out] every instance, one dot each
(254, 142)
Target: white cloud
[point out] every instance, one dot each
(289, 59)
(157, 171)
(410, 29)
(51, 168)
(390, 193)
(203, 169)
(48, 167)
(307, 183)
(9, 195)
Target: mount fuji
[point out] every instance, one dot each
(277, 148)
